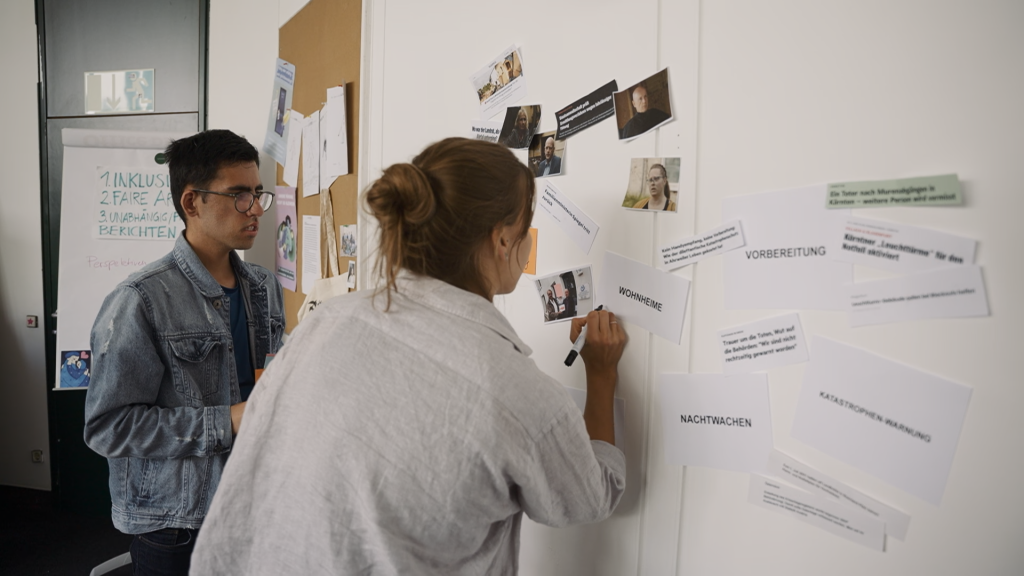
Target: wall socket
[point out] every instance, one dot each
(37, 456)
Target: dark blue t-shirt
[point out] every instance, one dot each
(240, 336)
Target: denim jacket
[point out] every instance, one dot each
(163, 381)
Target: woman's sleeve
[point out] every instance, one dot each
(571, 479)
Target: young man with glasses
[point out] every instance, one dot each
(175, 350)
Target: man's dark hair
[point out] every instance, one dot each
(195, 161)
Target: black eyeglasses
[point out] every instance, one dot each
(245, 200)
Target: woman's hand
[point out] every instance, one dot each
(605, 340)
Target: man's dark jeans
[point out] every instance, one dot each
(164, 552)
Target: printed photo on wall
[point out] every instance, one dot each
(546, 155)
(567, 294)
(653, 184)
(74, 368)
(643, 107)
(521, 123)
(500, 82)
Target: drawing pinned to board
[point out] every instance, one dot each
(643, 106)
(276, 141)
(311, 158)
(120, 92)
(74, 369)
(500, 82)
(349, 242)
(287, 239)
(567, 294)
(334, 137)
(653, 184)
(546, 155)
(521, 123)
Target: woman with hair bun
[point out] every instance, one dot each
(406, 430)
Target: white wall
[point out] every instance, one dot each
(23, 420)
(798, 92)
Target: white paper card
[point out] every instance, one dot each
(946, 293)
(888, 419)
(485, 130)
(311, 156)
(645, 296)
(818, 511)
(799, 474)
(618, 413)
(570, 218)
(336, 134)
(325, 179)
(310, 252)
(785, 262)
(898, 247)
(716, 421)
(296, 123)
(696, 248)
(764, 344)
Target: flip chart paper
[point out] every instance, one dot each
(296, 123)
(799, 474)
(941, 190)
(818, 511)
(311, 156)
(888, 419)
(946, 293)
(133, 204)
(310, 252)
(645, 296)
(687, 251)
(764, 344)
(577, 225)
(716, 421)
(898, 247)
(785, 262)
(618, 413)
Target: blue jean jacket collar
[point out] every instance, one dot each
(193, 268)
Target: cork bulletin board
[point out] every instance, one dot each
(323, 42)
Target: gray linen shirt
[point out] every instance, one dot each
(406, 442)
